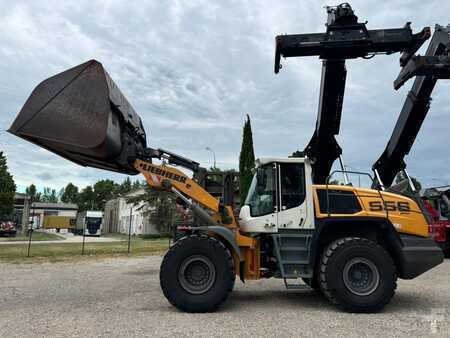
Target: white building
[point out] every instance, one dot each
(118, 213)
(41, 209)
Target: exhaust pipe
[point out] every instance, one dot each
(81, 115)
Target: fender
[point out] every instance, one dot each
(393, 240)
(225, 234)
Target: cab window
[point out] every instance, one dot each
(261, 197)
(293, 191)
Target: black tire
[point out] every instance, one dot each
(313, 283)
(446, 253)
(197, 274)
(357, 275)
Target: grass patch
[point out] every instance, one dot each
(55, 252)
(37, 236)
(124, 237)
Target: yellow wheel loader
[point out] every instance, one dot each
(349, 243)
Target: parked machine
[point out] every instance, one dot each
(59, 222)
(437, 200)
(427, 69)
(89, 223)
(8, 227)
(349, 243)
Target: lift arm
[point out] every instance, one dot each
(168, 178)
(427, 69)
(345, 38)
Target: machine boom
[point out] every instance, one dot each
(345, 38)
(434, 65)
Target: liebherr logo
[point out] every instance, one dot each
(164, 173)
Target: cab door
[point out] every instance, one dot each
(293, 211)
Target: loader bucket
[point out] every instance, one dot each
(80, 114)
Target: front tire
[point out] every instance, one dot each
(357, 275)
(197, 274)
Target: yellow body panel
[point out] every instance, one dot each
(155, 174)
(250, 249)
(403, 212)
(58, 222)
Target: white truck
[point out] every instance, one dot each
(91, 222)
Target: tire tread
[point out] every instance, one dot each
(326, 256)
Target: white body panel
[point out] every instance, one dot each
(300, 217)
(82, 219)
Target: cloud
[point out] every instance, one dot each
(193, 70)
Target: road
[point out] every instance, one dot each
(122, 297)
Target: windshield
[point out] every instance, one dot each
(93, 221)
(261, 195)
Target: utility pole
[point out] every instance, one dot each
(129, 228)
(214, 155)
(30, 230)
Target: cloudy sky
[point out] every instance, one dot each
(193, 69)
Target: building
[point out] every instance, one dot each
(119, 213)
(41, 209)
(223, 185)
(21, 209)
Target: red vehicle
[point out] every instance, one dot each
(8, 228)
(437, 201)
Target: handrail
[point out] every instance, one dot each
(350, 172)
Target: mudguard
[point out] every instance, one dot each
(226, 234)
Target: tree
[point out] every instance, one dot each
(7, 188)
(70, 194)
(49, 195)
(104, 190)
(160, 209)
(246, 160)
(401, 177)
(32, 192)
(298, 153)
(86, 199)
(137, 185)
(125, 187)
(214, 175)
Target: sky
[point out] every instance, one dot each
(194, 69)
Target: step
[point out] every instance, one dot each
(296, 286)
(292, 248)
(296, 261)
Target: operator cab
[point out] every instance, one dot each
(280, 196)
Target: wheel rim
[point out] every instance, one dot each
(361, 276)
(197, 274)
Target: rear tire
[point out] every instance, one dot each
(357, 275)
(446, 253)
(313, 283)
(197, 274)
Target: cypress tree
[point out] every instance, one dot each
(7, 188)
(246, 160)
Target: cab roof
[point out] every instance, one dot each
(265, 160)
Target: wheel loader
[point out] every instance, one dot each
(350, 244)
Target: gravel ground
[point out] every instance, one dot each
(122, 297)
